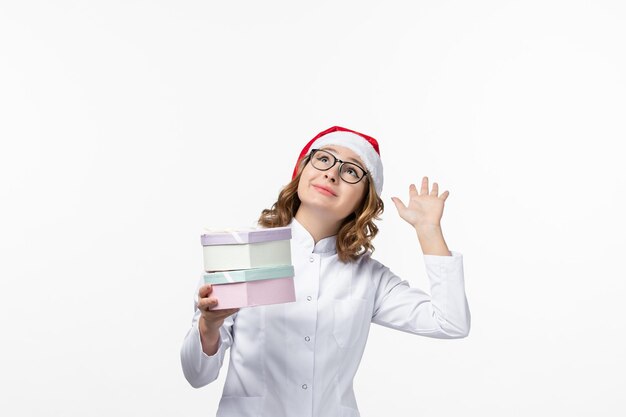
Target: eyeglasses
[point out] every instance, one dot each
(349, 172)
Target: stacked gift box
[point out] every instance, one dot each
(249, 267)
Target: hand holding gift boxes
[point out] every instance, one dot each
(249, 267)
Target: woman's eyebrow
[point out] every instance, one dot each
(349, 159)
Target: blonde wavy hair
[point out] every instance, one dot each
(355, 233)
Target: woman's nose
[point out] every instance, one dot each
(332, 177)
(333, 173)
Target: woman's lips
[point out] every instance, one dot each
(324, 191)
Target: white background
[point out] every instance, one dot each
(128, 126)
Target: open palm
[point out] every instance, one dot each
(424, 208)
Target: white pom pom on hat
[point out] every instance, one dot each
(366, 147)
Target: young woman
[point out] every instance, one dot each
(300, 358)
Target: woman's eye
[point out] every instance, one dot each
(352, 172)
(323, 159)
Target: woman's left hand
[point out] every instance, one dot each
(425, 209)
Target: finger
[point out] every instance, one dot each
(227, 312)
(424, 189)
(412, 191)
(435, 189)
(444, 195)
(205, 290)
(205, 304)
(222, 313)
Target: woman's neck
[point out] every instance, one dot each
(317, 224)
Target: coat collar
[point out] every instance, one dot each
(302, 236)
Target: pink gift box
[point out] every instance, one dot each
(252, 287)
(254, 293)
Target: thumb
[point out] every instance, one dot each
(399, 204)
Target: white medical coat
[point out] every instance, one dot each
(299, 359)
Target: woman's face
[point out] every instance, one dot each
(324, 191)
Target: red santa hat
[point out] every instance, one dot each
(366, 147)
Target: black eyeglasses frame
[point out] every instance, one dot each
(342, 163)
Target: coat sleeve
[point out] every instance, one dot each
(444, 314)
(199, 368)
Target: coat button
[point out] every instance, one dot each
(304, 386)
(311, 259)
(309, 298)
(307, 338)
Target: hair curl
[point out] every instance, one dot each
(356, 231)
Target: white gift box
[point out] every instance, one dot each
(245, 249)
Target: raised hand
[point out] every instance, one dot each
(425, 209)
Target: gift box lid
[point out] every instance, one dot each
(246, 275)
(244, 236)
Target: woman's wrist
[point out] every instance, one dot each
(209, 337)
(431, 240)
